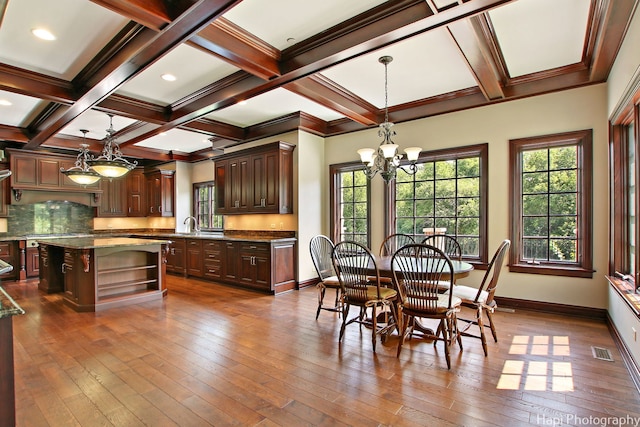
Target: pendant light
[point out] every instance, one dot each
(110, 163)
(80, 173)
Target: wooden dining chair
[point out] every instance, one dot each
(446, 243)
(393, 242)
(321, 248)
(481, 299)
(360, 282)
(419, 270)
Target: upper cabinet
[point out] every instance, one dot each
(160, 192)
(32, 170)
(258, 180)
(114, 199)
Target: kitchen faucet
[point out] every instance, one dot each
(196, 228)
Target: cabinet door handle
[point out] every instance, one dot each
(263, 202)
(151, 208)
(129, 210)
(45, 262)
(159, 209)
(64, 268)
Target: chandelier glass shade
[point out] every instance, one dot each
(110, 163)
(80, 173)
(385, 160)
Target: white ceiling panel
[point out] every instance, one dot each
(81, 28)
(192, 68)
(277, 103)
(14, 108)
(96, 123)
(278, 21)
(177, 140)
(423, 66)
(537, 35)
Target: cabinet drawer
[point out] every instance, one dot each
(210, 245)
(213, 268)
(5, 249)
(254, 247)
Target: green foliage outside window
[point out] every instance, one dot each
(549, 204)
(442, 197)
(353, 206)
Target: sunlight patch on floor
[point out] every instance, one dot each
(537, 375)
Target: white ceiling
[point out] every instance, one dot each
(534, 35)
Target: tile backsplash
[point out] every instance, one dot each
(50, 218)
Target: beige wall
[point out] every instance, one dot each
(583, 108)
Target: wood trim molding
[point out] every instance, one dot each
(306, 283)
(549, 307)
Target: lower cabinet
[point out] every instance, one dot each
(194, 257)
(33, 262)
(268, 266)
(255, 265)
(9, 254)
(213, 259)
(176, 256)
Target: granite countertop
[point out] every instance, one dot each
(219, 236)
(99, 242)
(231, 236)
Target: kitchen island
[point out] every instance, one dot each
(98, 273)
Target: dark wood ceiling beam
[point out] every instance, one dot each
(150, 13)
(239, 48)
(29, 83)
(611, 24)
(373, 30)
(215, 128)
(471, 40)
(13, 133)
(325, 92)
(303, 59)
(123, 67)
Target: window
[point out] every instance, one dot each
(624, 199)
(551, 204)
(350, 193)
(203, 206)
(447, 195)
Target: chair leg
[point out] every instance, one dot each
(492, 326)
(345, 313)
(483, 337)
(402, 328)
(445, 335)
(374, 327)
(457, 331)
(321, 292)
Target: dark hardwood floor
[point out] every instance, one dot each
(215, 355)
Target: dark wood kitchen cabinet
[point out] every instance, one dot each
(135, 193)
(160, 193)
(255, 265)
(176, 256)
(194, 257)
(33, 261)
(114, 197)
(214, 258)
(231, 261)
(255, 181)
(33, 170)
(9, 254)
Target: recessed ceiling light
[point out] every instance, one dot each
(43, 34)
(168, 77)
(243, 102)
(162, 134)
(5, 103)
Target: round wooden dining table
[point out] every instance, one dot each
(460, 268)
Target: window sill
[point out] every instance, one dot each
(626, 291)
(551, 270)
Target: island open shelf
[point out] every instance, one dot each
(99, 273)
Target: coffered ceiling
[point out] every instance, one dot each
(249, 69)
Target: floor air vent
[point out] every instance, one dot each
(602, 354)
